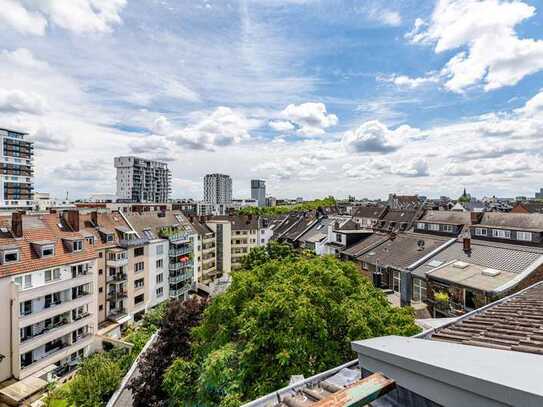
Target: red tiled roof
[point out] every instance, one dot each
(40, 228)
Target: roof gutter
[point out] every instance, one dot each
(431, 254)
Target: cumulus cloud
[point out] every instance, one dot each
(51, 140)
(458, 169)
(384, 16)
(222, 127)
(79, 16)
(414, 168)
(309, 119)
(83, 171)
(303, 169)
(15, 100)
(478, 25)
(154, 147)
(482, 151)
(374, 137)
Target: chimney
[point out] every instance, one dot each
(476, 217)
(72, 219)
(467, 244)
(17, 224)
(94, 218)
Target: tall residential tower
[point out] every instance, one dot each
(258, 191)
(140, 180)
(217, 188)
(16, 176)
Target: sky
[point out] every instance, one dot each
(317, 97)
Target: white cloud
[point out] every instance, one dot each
(478, 25)
(19, 18)
(83, 171)
(79, 16)
(310, 119)
(280, 125)
(414, 168)
(51, 140)
(403, 81)
(222, 127)
(15, 100)
(374, 137)
(154, 147)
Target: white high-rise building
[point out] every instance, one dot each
(258, 191)
(141, 180)
(217, 188)
(16, 175)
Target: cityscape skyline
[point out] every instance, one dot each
(305, 108)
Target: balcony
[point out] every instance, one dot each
(117, 262)
(43, 314)
(179, 252)
(179, 266)
(117, 295)
(181, 277)
(61, 285)
(117, 278)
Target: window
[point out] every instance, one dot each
(480, 232)
(52, 275)
(396, 281)
(139, 266)
(524, 236)
(100, 289)
(364, 265)
(159, 263)
(25, 307)
(159, 278)
(77, 245)
(11, 256)
(421, 225)
(338, 237)
(160, 291)
(100, 272)
(139, 283)
(139, 299)
(434, 227)
(100, 307)
(19, 281)
(28, 280)
(90, 240)
(419, 290)
(138, 251)
(109, 237)
(159, 250)
(469, 300)
(501, 234)
(47, 251)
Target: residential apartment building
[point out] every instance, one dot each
(141, 180)
(172, 231)
(206, 250)
(217, 189)
(258, 191)
(16, 185)
(222, 229)
(47, 294)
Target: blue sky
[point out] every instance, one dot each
(317, 97)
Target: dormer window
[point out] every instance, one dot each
(77, 245)
(109, 237)
(47, 251)
(10, 256)
(90, 240)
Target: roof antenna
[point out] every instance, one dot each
(67, 200)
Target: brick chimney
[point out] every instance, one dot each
(71, 217)
(476, 217)
(467, 244)
(17, 224)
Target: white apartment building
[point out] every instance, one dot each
(158, 288)
(217, 188)
(141, 180)
(16, 177)
(47, 294)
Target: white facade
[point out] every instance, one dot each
(158, 286)
(140, 180)
(16, 177)
(53, 315)
(217, 188)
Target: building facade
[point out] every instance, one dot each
(17, 170)
(258, 191)
(217, 189)
(141, 180)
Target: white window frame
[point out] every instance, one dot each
(77, 245)
(396, 277)
(50, 246)
(421, 225)
(481, 232)
(524, 236)
(448, 228)
(159, 250)
(433, 227)
(13, 251)
(419, 288)
(501, 233)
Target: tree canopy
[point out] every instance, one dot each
(282, 209)
(281, 316)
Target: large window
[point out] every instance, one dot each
(139, 266)
(501, 234)
(434, 227)
(159, 263)
(51, 275)
(396, 281)
(419, 290)
(78, 245)
(480, 232)
(139, 299)
(524, 236)
(421, 225)
(448, 228)
(138, 251)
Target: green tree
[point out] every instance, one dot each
(262, 254)
(285, 316)
(97, 379)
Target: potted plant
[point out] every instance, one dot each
(441, 297)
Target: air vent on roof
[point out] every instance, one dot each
(435, 263)
(460, 265)
(490, 272)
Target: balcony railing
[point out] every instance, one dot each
(179, 252)
(179, 266)
(180, 277)
(116, 295)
